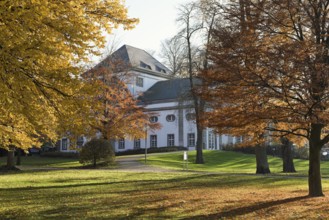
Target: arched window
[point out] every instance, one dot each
(190, 116)
(171, 118)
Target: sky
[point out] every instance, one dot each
(157, 23)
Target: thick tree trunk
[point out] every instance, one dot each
(18, 159)
(314, 173)
(11, 158)
(287, 156)
(262, 166)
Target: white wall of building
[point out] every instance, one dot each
(181, 127)
(148, 81)
(65, 144)
(211, 140)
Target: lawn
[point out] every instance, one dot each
(37, 161)
(228, 162)
(105, 194)
(228, 190)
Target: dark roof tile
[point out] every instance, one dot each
(137, 58)
(168, 90)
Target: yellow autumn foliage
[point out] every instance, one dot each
(41, 44)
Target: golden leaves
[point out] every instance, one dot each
(41, 44)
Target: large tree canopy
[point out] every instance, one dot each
(41, 44)
(270, 73)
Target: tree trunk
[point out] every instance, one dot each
(199, 150)
(94, 163)
(11, 158)
(262, 166)
(287, 156)
(197, 107)
(18, 159)
(314, 173)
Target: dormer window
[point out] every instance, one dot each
(144, 65)
(160, 69)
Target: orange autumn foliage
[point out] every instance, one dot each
(117, 113)
(270, 73)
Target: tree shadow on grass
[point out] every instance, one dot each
(182, 182)
(67, 183)
(240, 211)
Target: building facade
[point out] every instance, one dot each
(167, 97)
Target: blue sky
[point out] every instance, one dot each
(157, 23)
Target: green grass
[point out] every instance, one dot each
(232, 193)
(103, 194)
(37, 161)
(215, 161)
(228, 162)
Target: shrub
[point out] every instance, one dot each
(97, 151)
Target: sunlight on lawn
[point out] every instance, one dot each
(38, 161)
(229, 162)
(223, 191)
(85, 194)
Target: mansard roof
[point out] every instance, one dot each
(167, 91)
(137, 59)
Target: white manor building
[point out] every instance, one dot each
(165, 96)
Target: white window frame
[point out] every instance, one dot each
(137, 143)
(65, 146)
(191, 139)
(211, 140)
(170, 140)
(153, 140)
(80, 141)
(238, 140)
(121, 143)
